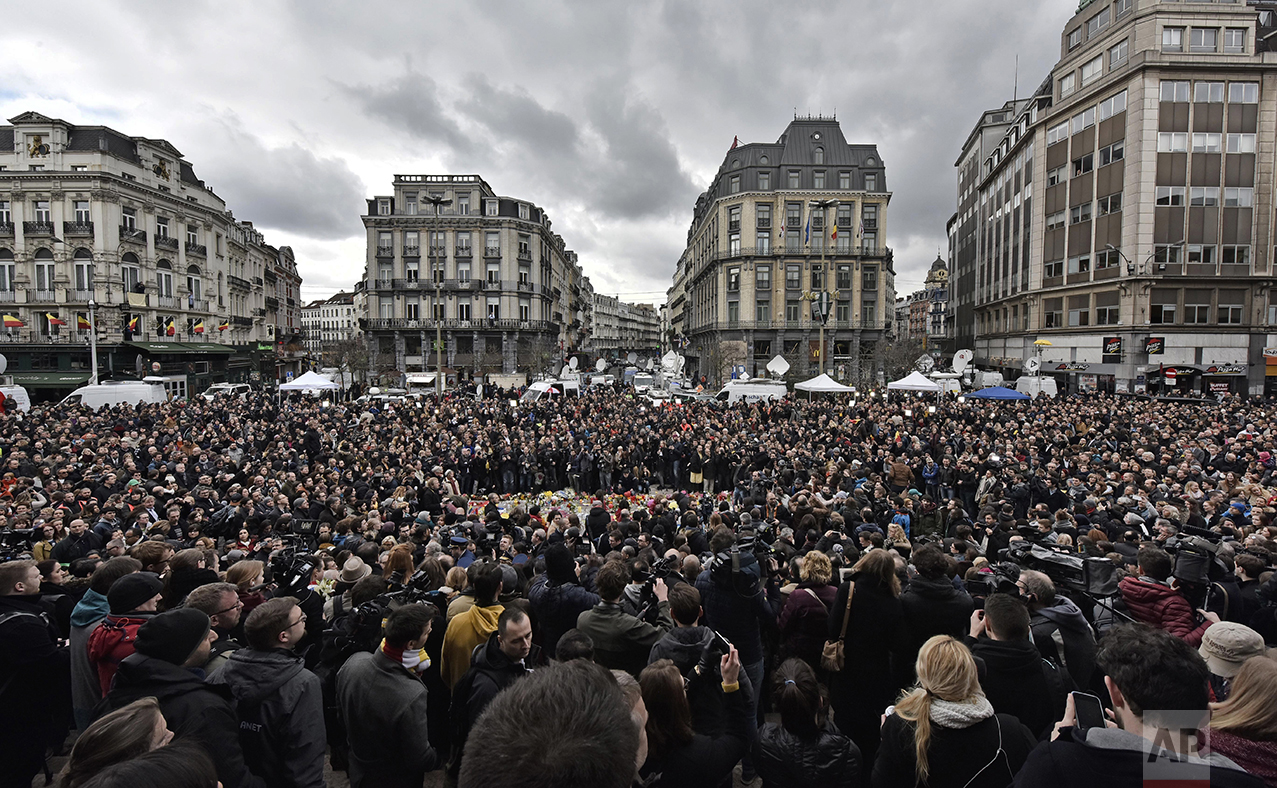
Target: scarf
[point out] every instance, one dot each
(414, 661)
(964, 714)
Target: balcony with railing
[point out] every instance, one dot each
(168, 302)
(238, 282)
(165, 242)
(37, 296)
(8, 296)
(197, 249)
(197, 305)
(80, 296)
(492, 251)
(525, 254)
(77, 229)
(258, 312)
(764, 222)
(272, 304)
(243, 322)
(37, 228)
(461, 251)
(132, 235)
(385, 251)
(492, 283)
(412, 251)
(526, 287)
(401, 323)
(6, 228)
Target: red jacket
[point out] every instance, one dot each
(1162, 607)
(110, 642)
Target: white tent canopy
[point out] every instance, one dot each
(821, 384)
(914, 381)
(311, 381)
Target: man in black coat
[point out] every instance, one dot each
(78, 543)
(557, 598)
(168, 651)
(1014, 676)
(932, 605)
(35, 676)
(495, 665)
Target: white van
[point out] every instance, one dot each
(234, 389)
(550, 388)
(1036, 385)
(119, 392)
(15, 396)
(752, 391)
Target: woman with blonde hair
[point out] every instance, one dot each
(944, 732)
(804, 620)
(1244, 727)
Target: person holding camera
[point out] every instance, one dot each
(622, 641)
(1153, 598)
(1060, 631)
(557, 597)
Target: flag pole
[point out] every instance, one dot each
(93, 344)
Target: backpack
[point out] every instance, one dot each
(104, 641)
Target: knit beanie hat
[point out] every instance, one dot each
(132, 590)
(173, 636)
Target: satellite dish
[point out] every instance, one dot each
(631, 357)
(572, 362)
(743, 376)
(778, 366)
(670, 360)
(1032, 365)
(600, 365)
(4, 364)
(925, 363)
(682, 362)
(961, 359)
(651, 363)
(563, 373)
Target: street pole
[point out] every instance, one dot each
(437, 201)
(824, 206)
(93, 343)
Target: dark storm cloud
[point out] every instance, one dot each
(285, 188)
(410, 103)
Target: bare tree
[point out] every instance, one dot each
(899, 356)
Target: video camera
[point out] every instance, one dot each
(292, 566)
(660, 570)
(1001, 580)
(1196, 559)
(1067, 570)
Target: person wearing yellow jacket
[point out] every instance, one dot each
(472, 627)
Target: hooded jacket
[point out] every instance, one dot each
(828, 760)
(1162, 607)
(930, 607)
(1103, 757)
(1063, 636)
(1018, 681)
(86, 692)
(469, 629)
(192, 709)
(490, 672)
(111, 642)
(557, 607)
(281, 715)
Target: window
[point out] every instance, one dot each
(1119, 53)
(1057, 175)
(793, 277)
(869, 278)
(1083, 120)
(763, 311)
(130, 273)
(1122, 7)
(1231, 305)
(490, 207)
(733, 311)
(1239, 197)
(6, 215)
(44, 276)
(1167, 253)
(1170, 195)
(842, 280)
(1204, 196)
(192, 235)
(1241, 143)
(1055, 220)
(734, 184)
(1208, 92)
(763, 242)
(1205, 142)
(492, 244)
(1112, 105)
(1106, 309)
(1173, 91)
(1075, 37)
(79, 168)
(1201, 255)
(1097, 23)
(1079, 310)
(383, 207)
(1172, 39)
(764, 181)
(818, 180)
(84, 273)
(1172, 141)
(820, 155)
(1057, 133)
(1053, 269)
(493, 271)
(1112, 153)
(1092, 70)
(164, 280)
(8, 270)
(1083, 165)
(733, 218)
(733, 279)
(410, 203)
(1080, 264)
(1197, 306)
(42, 212)
(1235, 39)
(795, 178)
(1109, 204)
(1243, 92)
(844, 180)
(161, 227)
(385, 243)
(1108, 258)
(1080, 213)
(871, 182)
(81, 211)
(1162, 306)
(525, 274)
(463, 310)
(763, 278)
(525, 310)
(733, 244)
(1053, 312)
(817, 279)
(1235, 255)
(1067, 85)
(792, 311)
(1204, 39)
(128, 218)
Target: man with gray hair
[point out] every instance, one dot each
(1058, 628)
(220, 602)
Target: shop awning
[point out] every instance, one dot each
(50, 380)
(162, 347)
(210, 347)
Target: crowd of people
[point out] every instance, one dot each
(604, 591)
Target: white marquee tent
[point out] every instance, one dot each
(311, 381)
(914, 381)
(821, 384)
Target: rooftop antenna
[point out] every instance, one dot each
(1015, 88)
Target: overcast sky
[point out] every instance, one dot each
(612, 116)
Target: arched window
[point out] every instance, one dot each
(164, 280)
(6, 254)
(131, 273)
(43, 254)
(83, 274)
(193, 282)
(820, 155)
(44, 273)
(7, 272)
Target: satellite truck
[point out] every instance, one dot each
(13, 393)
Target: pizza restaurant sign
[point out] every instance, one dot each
(1226, 369)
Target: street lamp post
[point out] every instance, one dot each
(824, 296)
(438, 201)
(93, 343)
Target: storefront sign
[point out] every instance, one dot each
(1270, 352)
(1086, 382)
(1072, 367)
(1112, 350)
(1226, 369)
(1219, 386)
(1122, 386)
(1154, 345)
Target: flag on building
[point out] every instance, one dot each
(807, 231)
(834, 235)
(53, 319)
(82, 323)
(199, 327)
(133, 323)
(171, 328)
(10, 321)
(735, 142)
(225, 324)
